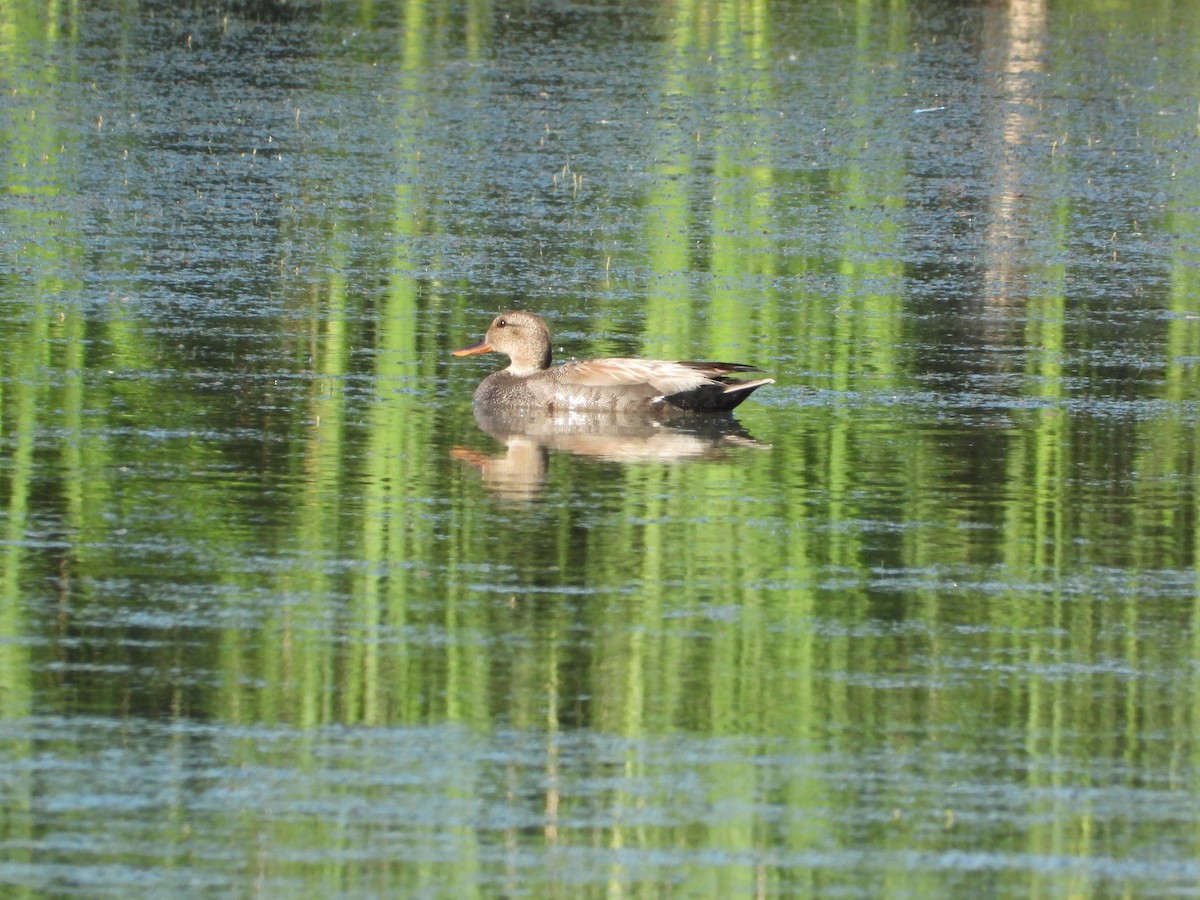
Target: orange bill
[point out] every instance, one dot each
(481, 347)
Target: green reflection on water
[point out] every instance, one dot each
(955, 592)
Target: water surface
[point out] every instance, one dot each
(279, 616)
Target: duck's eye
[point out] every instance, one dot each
(500, 323)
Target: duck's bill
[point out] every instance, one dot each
(481, 347)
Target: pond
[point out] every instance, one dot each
(282, 615)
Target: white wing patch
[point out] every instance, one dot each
(665, 377)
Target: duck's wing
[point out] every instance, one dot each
(664, 376)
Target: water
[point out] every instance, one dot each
(279, 616)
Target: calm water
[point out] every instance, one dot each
(279, 617)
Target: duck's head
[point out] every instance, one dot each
(519, 335)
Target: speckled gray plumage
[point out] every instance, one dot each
(614, 384)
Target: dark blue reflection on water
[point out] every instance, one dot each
(406, 806)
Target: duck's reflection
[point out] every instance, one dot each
(528, 437)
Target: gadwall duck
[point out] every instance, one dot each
(646, 385)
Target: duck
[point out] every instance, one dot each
(615, 384)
